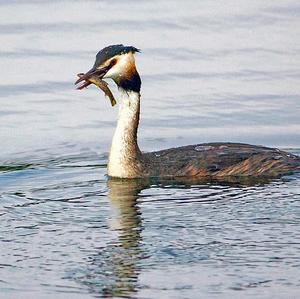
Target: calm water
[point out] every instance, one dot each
(211, 72)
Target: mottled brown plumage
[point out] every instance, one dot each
(217, 160)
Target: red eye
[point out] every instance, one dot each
(113, 62)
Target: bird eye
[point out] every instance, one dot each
(112, 62)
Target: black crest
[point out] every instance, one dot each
(110, 51)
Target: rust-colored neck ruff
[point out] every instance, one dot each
(124, 157)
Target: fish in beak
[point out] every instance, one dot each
(94, 72)
(95, 76)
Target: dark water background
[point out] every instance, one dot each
(211, 71)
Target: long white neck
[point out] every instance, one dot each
(124, 153)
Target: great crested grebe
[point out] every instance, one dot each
(210, 160)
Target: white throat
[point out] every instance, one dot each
(124, 154)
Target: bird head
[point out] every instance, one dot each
(115, 62)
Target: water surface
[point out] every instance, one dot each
(211, 72)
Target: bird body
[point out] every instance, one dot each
(209, 160)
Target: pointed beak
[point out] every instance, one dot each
(98, 72)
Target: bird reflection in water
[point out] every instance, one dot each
(114, 270)
(127, 222)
